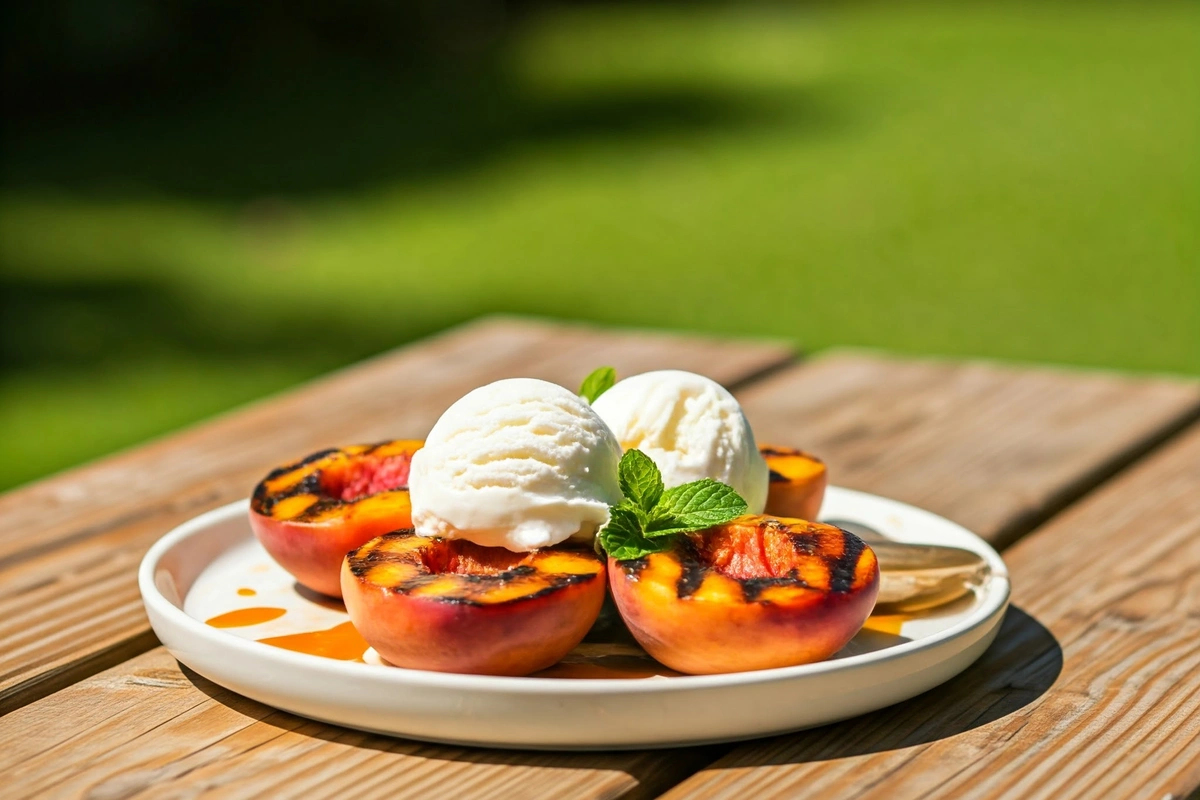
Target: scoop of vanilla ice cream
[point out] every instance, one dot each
(519, 463)
(691, 427)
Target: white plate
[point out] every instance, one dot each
(194, 573)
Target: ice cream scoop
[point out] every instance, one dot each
(692, 428)
(519, 463)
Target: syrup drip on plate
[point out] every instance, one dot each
(610, 659)
(887, 623)
(342, 642)
(243, 617)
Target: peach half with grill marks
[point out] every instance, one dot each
(797, 482)
(755, 593)
(449, 605)
(310, 513)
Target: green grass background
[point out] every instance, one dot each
(1013, 181)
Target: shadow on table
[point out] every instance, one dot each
(1019, 667)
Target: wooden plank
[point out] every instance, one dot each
(996, 448)
(184, 743)
(69, 546)
(147, 726)
(1091, 690)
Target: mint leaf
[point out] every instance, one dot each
(596, 384)
(645, 519)
(694, 506)
(622, 537)
(640, 480)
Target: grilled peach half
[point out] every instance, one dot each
(453, 606)
(309, 514)
(754, 593)
(797, 482)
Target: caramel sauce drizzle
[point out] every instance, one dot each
(886, 623)
(342, 642)
(243, 617)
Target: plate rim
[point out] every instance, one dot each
(996, 599)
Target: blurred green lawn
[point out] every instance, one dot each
(1001, 180)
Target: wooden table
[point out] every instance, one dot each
(1089, 482)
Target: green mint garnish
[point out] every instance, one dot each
(640, 480)
(643, 522)
(596, 384)
(695, 506)
(622, 537)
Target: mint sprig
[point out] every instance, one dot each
(648, 516)
(695, 506)
(596, 384)
(640, 481)
(623, 539)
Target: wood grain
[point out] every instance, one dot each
(1091, 690)
(995, 448)
(69, 546)
(174, 734)
(145, 728)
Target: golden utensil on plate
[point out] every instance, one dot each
(917, 577)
